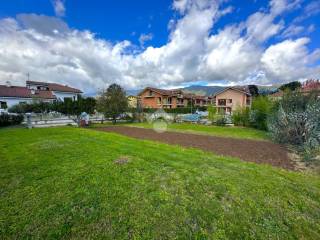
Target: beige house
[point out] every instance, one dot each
(231, 98)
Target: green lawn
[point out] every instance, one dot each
(232, 132)
(64, 183)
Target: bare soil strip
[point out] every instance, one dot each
(247, 150)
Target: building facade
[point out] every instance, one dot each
(161, 98)
(231, 98)
(35, 91)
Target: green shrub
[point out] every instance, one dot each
(241, 117)
(260, 110)
(297, 122)
(8, 119)
(212, 113)
(221, 120)
(185, 110)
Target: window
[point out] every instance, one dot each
(230, 101)
(159, 100)
(222, 102)
(3, 105)
(150, 93)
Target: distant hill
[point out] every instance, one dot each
(211, 90)
(133, 92)
(203, 90)
(199, 90)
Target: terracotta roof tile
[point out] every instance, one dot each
(56, 87)
(23, 92)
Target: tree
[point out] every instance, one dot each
(212, 113)
(113, 102)
(68, 107)
(292, 86)
(260, 109)
(241, 116)
(254, 90)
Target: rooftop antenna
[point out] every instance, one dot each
(28, 76)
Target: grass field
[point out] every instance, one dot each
(64, 183)
(232, 132)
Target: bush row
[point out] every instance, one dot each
(184, 110)
(9, 119)
(68, 107)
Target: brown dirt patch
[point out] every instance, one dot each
(247, 150)
(122, 160)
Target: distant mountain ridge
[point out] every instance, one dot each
(199, 90)
(210, 90)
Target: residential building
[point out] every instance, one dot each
(161, 98)
(35, 91)
(231, 98)
(61, 92)
(307, 87)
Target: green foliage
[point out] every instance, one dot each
(292, 86)
(10, 119)
(212, 113)
(221, 120)
(296, 121)
(254, 90)
(241, 117)
(184, 110)
(62, 183)
(68, 107)
(261, 108)
(113, 102)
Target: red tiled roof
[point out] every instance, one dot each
(174, 92)
(162, 91)
(239, 89)
(55, 87)
(24, 92)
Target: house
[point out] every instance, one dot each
(161, 98)
(39, 91)
(132, 101)
(307, 87)
(231, 98)
(61, 92)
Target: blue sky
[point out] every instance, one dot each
(162, 43)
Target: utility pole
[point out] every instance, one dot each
(28, 76)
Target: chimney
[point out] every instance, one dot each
(8, 83)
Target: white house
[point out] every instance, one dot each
(47, 92)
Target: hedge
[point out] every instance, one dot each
(8, 119)
(184, 110)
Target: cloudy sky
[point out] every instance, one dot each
(90, 44)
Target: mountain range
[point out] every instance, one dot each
(210, 90)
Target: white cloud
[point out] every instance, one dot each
(59, 7)
(311, 9)
(292, 30)
(50, 51)
(290, 58)
(144, 38)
